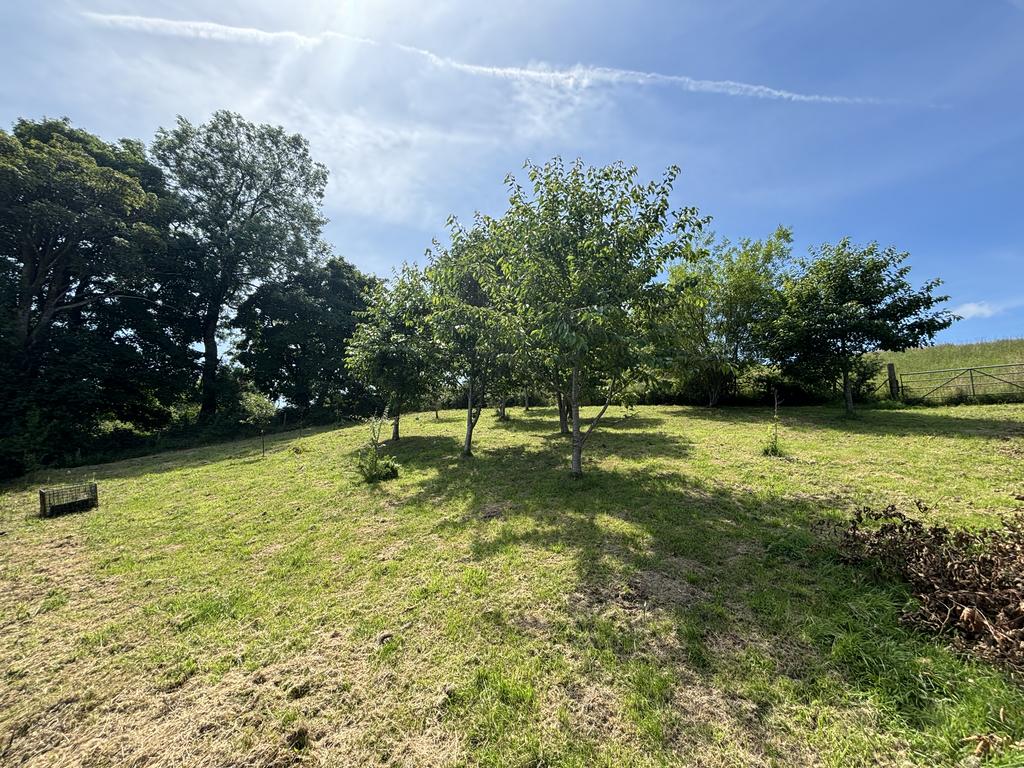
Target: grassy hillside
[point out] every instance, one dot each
(678, 606)
(944, 356)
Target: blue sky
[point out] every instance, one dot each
(901, 122)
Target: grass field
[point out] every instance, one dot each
(945, 356)
(681, 605)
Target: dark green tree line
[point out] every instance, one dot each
(113, 266)
(294, 332)
(847, 301)
(88, 290)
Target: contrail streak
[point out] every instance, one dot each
(577, 77)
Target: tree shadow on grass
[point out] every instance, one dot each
(551, 450)
(243, 451)
(419, 452)
(870, 421)
(760, 606)
(545, 420)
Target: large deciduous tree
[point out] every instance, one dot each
(592, 242)
(848, 301)
(74, 211)
(91, 326)
(294, 333)
(392, 350)
(250, 197)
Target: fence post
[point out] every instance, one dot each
(894, 384)
(972, 384)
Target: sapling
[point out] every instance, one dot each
(371, 463)
(771, 446)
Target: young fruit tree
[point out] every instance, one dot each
(470, 328)
(721, 302)
(250, 196)
(589, 245)
(391, 350)
(849, 301)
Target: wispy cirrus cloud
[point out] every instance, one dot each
(576, 78)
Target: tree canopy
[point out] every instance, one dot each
(587, 245)
(391, 350)
(469, 317)
(850, 300)
(123, 269)
(250, 197)
(723, 300)
(294, 332)
(88, 293)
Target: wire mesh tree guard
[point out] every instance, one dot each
(68, 498)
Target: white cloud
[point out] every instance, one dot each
(575, 78)
(972, 310)
(975, 309)
(381, 170)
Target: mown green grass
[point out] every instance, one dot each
(682, 604)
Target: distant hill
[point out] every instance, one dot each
(943, 356)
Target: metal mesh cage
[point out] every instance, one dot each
(69, 498)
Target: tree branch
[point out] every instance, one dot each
(607, 402)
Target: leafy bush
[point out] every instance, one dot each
(771, 445)
(968, 584)
(371, 463)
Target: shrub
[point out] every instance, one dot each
(373, 466)
(771, 445)
(968, 584)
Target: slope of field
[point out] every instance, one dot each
(681, 605)
(945, 356)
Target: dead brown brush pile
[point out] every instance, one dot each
(968, 584)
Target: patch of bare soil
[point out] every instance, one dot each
(742, 549)
(642, 592)
(593, 709)
(1012, 447)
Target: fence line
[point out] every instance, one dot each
(976, 382)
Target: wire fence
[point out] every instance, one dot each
(985, 382)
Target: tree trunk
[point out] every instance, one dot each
(502, 415)
(467, 446)
(577, 432)
(395, 434)
(437, 407)
(848, 392)
(208, 408)
(563, 420)
(526, 399)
